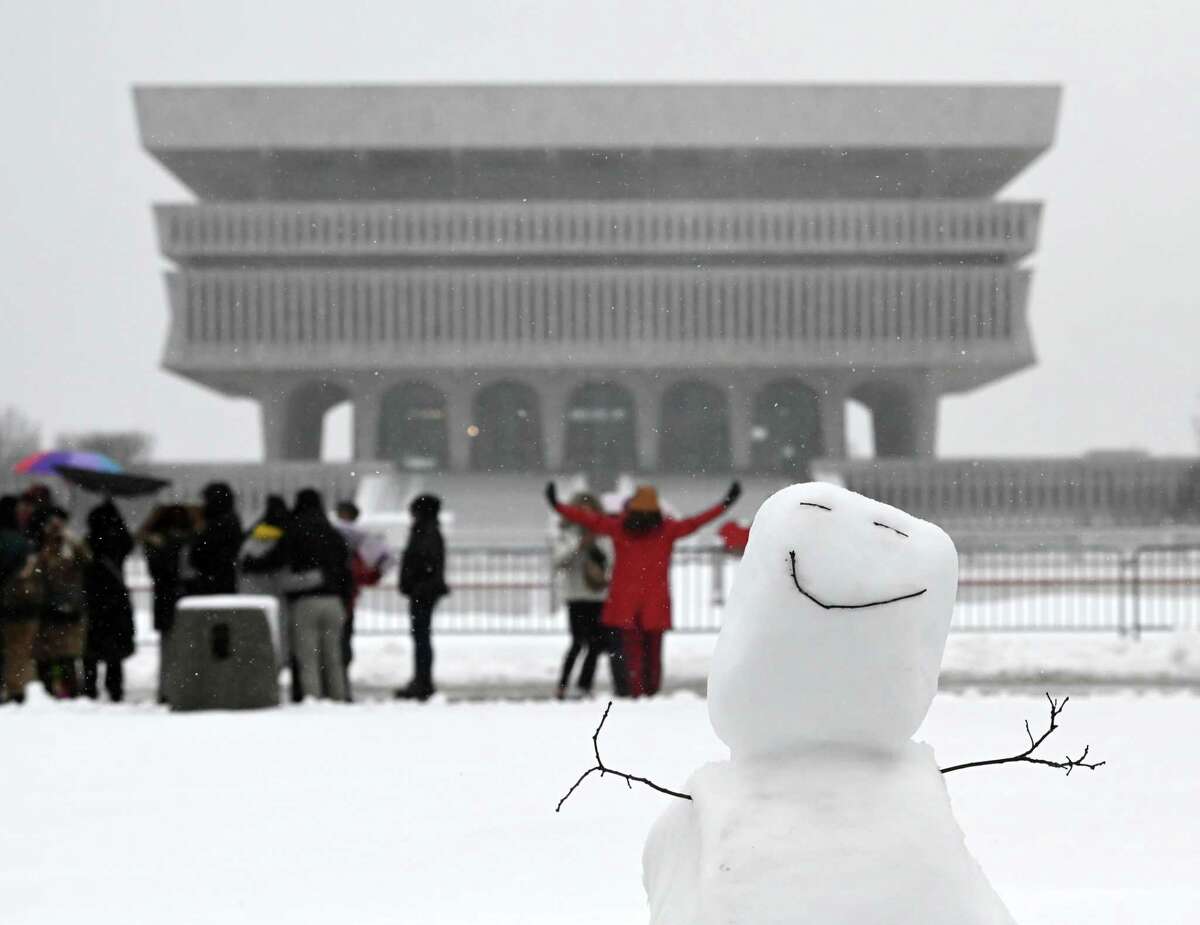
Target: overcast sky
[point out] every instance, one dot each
(1114, 301)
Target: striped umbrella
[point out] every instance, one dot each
(48, 463)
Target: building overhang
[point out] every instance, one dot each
(375, 142)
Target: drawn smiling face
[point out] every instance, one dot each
(835, 625)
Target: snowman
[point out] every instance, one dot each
(826, 811)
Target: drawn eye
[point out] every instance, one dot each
(814, 504)
(888, 527)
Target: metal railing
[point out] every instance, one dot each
(1091, 589)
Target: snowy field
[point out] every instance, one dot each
(523, 667)
(385, 812)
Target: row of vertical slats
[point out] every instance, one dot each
(601, 306)
(235, 229)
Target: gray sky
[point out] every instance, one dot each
(1114, 306)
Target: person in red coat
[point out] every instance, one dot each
(639, 596)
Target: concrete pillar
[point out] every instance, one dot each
(647, 403)
(273, 418)
(368, 405)
(923, 419)
(832, 398)
(742, 393)
(459, 419)
(553, 394)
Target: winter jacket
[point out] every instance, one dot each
(20, 589)
(110, 613)
(310, 546)
(61, 569)
(570, 561)
(262, 540)
(423, 565)
(214, 550)
(165, 554)
(639, 593)
(213, 556)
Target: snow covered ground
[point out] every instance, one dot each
(384, 812)
(527, 666)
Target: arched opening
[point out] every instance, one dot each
(892, 417)
(600, 429)
(304, 410)
(508, 429)
(412, 427)
(860, 431)
(695, 429)
(786, 433)
(337, 433)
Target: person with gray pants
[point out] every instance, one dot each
(317, 622)
(313, 559)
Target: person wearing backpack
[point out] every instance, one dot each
(583, 566)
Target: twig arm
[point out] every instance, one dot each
(630, 779)
(1068, 763)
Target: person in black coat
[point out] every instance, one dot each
(165, 537)
(423, 582)
(110, 613)
(214, 550)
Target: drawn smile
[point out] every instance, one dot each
(819, 603)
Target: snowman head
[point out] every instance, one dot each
(835, 626)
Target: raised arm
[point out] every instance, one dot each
(603, 524)
(689, 525)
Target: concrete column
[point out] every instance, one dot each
(832, 399)
(553, 394)
(459, 418)
(647, 403)
(273, 418)
(368, 405)
(742, 392)
(923, 419)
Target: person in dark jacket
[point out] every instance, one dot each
(315, 563)
(214, 550)
(423, 582)
(110, 613)
(20, 603)
(165, 537)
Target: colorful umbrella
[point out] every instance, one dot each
(48, 463)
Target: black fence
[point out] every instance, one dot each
(514, 591)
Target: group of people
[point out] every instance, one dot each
(66, 612)
(620, 611)
(65, 609)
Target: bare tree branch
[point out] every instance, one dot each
(629, 779)
(1068, 763)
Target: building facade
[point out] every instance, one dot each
(627, 278)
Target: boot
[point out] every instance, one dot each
(415, 690)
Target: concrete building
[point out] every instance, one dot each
(629, 278)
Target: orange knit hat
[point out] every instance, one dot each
(645, 499)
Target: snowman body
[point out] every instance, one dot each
(827, 812)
